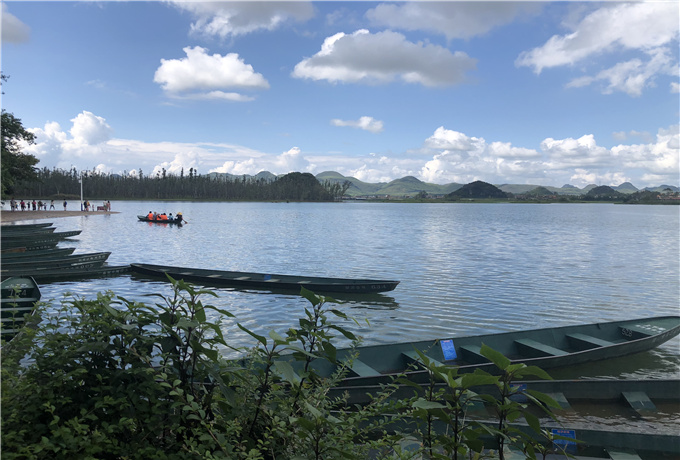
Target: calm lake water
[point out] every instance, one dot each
(464, 268)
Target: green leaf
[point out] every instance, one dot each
(495, 357)
(285, 370)
(427, 405)
(257, 337)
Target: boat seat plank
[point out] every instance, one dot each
(638, 400)
(412, 357)
(588, 340)
(538, 349)
(622, 455)
(561, 400)
(362, 369)
(473, 354)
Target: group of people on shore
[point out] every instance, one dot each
(164, 217)
(42, 205)
(26, 205)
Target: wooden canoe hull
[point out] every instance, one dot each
(265, 281)
(17, 299)
(95, 259)
(546, 348)
(78, 274)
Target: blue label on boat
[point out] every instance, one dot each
(448, 349)
(519, 393)
(267, 277)
(564, 444)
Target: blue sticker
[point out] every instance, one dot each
(448, 349)
(565, 444)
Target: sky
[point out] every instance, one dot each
(538, 93)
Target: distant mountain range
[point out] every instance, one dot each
(410, 186)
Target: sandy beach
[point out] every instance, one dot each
(15, 216)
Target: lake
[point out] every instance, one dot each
(464, 268)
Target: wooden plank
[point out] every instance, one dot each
(638, 400)
(588, 340)
(472, 354)
(362, 369)
(623, 455)
(412, 357)
(539, 349)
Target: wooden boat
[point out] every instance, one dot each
(18, 297)
(52, 253)
(27, 232)
(177, 220)
(247, 280)
(546, 348)
(23, 227)
(39, 237)
(12, 248)
(644, 412)
(64, 262)
(78, 274)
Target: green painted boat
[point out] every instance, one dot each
(79, 261)
(24, 227)
(30, 232)
(265, 281)
(12, 248)
(52, 253)
(17, 299)
(606, 416)
(546, 348)
(58, 275)
(39, 236)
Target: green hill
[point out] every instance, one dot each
(477, 190)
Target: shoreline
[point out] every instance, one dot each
(17, 216)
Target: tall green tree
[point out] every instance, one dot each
(16, 165)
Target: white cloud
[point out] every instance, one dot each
(13, 30)
(675, 87)
(90, 129)
(633, 76)
(452, 19)
(363, 57)
(200, 75)
(224, 19)
(627, 26)
(365, 123)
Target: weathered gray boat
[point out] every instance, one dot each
(77, 274)
(95, 259)
(607, 416)
(52, 253)
(17, 299)
(546, 348)
(266, 281)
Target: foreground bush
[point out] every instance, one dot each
(109, 378)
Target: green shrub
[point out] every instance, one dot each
(112, 379)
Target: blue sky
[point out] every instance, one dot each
(542, 93)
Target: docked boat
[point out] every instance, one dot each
(78, 274)
(175, 220)
(643, 411)
(37, 241)
(24, 227)
(52, 253)
(79, 261)
(546, 348)
(265, 281)
(17, 299)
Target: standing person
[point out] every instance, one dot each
(13, 205)
(23, 205)
(65, 205)
(34, 204)
(52, 204)
(108, 205)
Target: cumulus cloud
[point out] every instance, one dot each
(13, 30)
(457, 157)
(452, 19)
(225, 19)
(363, 57)
(649, 28)
(365, 123)
(90, 129)
(204, 76)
